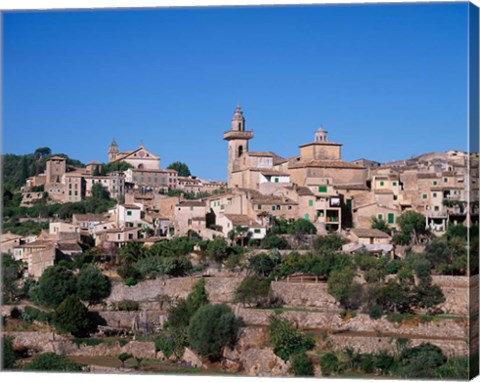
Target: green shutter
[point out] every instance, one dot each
(307, 217)
(256, 230)
(310, 203)
(424, 196)
(322, 189)
(382, 183)
(379, 216)
(391, 218)
(276, 180)
(394, 183)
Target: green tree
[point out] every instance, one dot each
(9, 358)
(302, 366)
(329, 363)
(131, 253)
(92, 285)
(52, 362)
(286, 340)
(180, 167)
(328, 243)
(11, 273)
(274, 242)
(72, 316)
(198, 297)
(412, 224)
(123, 357)
(99, 192)
(421, 361)
(55, 284)
(381, 225)
(211, 329)
(217, 249)
(340, 285)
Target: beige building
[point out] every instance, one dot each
(140, 158)
(152, 179)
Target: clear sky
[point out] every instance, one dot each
(387, 81)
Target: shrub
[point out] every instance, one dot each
(253, 290)
(52, 362)
(421, 361)
(130, 282)
(375, 312)
(328, 243)
(15, 313)
(72, 316)
(128, 271)
(127, 305)
(9, 358)
(272, 242)
(124, 357)
(92, 285)
(30, 313)
(329, 363)
(55, 284)
(287, 340)
(211, 328)
(302, 365)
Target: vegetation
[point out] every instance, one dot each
(124, 357)
(9, 357)
(180, 167)
(11, 273)
(212, 328)
(412, 226)
(92, 285)
(54, 286)
(72, 316)
(302, 366)
(52, 362)
(286, 340)
(253, 290)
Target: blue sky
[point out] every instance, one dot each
(387, 81)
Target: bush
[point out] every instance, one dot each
(375, 312)
(130, 282)
(128, 271)
(328, 243)
(286, 340)
(9, 358)
(421, 361)
(211, 328)
(52, 362)
(15, 313)
(55, 284)
(274, 242)
(329, 363)
(302, 365)
(92, 285)
(253, 290)
(72, 316)
(127, 305)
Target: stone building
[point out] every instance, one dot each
(140, 158)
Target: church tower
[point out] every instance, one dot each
(237, 138)
(112, 151)
(321, 135)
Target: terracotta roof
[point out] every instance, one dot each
(56, 157)
(152, 170)
(351, 187)
(369, 232)
(191, 203)
(303, 191)
(89, 217)
(198, 218)
(69, 246)
(421, 175)
(273, 173)
(271, 199)
(119, 230)
(325, 164)
(243, 220)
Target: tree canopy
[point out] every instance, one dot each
(55, 284)
(181, 168)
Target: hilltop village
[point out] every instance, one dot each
(362, 257)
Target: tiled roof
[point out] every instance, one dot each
(369, 232)
(191, 203)
(89, 217)
(131, 206)
(351, 187)
(243, 220)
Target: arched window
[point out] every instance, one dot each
(240, 151)
(240, 126)
(140, 165)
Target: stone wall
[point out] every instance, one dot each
(305, 295)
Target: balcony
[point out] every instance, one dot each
(232, 134)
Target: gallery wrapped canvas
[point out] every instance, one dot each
(261, 190)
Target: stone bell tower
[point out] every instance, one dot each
(112, 151)
(237, 138)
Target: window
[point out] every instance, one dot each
(380, 216)
(424, 196)
(276, 180)
(76, 193)
(189, 221)
(129, 213)
(256, 230)
(307, 217)
(391, 218)
(445, 180)
(436, 208)
(191, 208)
(69, 192)
(259, 207)
(434, 182)
(310, 203)
(434, 194)
(273, 208)
(395, 197)
(130, 236)
(322, 189)
(382, 183)
(394, 183)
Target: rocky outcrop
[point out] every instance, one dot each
(191, 359)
